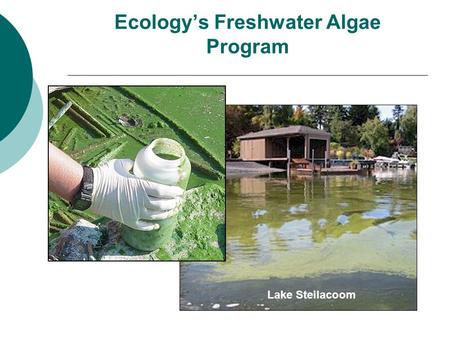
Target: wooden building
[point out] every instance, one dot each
(293, 142)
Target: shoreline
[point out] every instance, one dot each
(241, 168)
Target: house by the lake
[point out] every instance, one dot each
(278, 144)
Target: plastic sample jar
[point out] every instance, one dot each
(162, 161)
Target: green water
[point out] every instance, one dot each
(354, 233)
(169, 157)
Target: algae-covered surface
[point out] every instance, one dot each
(104, 123)
(192, 240)
(338, 233)
(204, 107)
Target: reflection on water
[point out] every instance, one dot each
(311, 227)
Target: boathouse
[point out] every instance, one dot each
(284, 144)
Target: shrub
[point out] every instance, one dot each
(375, 135)
(236, 148)
(334, 146)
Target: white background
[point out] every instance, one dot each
(141, 299)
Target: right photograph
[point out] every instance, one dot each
(321, 211)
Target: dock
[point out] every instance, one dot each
(303, 166)
(329, 171)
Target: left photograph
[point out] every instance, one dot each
(136, 173)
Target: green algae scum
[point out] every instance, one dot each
(103, 123)
(323, 233)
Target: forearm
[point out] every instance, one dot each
(65, 174)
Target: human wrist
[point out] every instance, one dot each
(82, 199)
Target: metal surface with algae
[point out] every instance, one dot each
(104, 123)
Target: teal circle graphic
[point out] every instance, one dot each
(22, 137)
(16, 77)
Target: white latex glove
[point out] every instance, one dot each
(121, 196)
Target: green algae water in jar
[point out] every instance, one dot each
(162, 161)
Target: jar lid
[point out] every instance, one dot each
(161, 162)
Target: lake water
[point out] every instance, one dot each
(329, 233)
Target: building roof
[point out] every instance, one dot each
(285, 131)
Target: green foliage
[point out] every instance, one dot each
(273, 116)
(236, 148)
(337, 127)
(359, 114)
(343, 131)
(300, 116)
(323, 115)
(375, 136)
(320, 116)
(408, 126)
(397, 114)
(239, 122)
(344, 122)
(390, 125)
(266, 119)
(398, 137)
(339, 110)
(334, 145)
(282, 115)
(338, 151)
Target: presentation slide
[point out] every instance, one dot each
(196, 168)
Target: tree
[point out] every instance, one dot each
(397, 114)
(343, 131)
(282, 115)
(390, 125)
(339, 110)
(265, 119)
(359, 114)
(320, 116)
(300, 116)
(238, 122)
(373, 112)
(273, 116)
(408, 126)
(236, 147)
(398, 139)
(337, 126)
(375, 136)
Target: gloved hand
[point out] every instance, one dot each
(135, 202)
